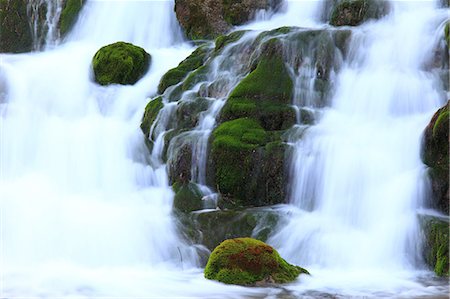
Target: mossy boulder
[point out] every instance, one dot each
(246, 261)
(16, 34)
(207, 19)
(69, 15)
(435, 154)
(247, 164)
(191, 63)
(120, 63)
(265, 94)
(151, 112)
(188, 197)
(436, 244)
(355, 12)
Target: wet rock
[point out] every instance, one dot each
(120, 63)
(435, 147)
(246, 261)
(188, 197)
(180, 159)
(16, 34)
(216, 226)
(151, 112)
(191, 63)
(207, 19)
(355, 12)
(436, 244)
(69, 15)
(247, 164)
(265, 94)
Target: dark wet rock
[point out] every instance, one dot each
(16, 34)
(355, 12)
(436, 244)
(435, 155)
(207, 19)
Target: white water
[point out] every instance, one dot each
(83, 215)
(358, 178)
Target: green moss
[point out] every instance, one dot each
(225, 40)
(437, 245)
(192, 62)
(16, 34)
(69, 15)
(442, 122)
(199, 75)
(265, 94)
(240, 134)
(246, 261)
(188, 197)
(151, 112)
(233, 148)
(120, 63)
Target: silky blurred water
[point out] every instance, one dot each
(84, 215)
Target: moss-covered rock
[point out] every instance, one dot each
(120, 63)
(189, 112)
(207, 19)
(265, 94)
(234, 154)
(188, 197)
(436, 232)
(191, 63)
(355, 12)
(69, 15)
(224, 40)
(246, 261)
(16, 34)
(247, 164)
(435, 154)
(151, 112)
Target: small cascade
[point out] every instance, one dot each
(44, 17)
(357, 178)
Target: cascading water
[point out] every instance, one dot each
(44, 17)
(357, 176)
(83, 214)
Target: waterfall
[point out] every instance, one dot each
(86, 209)
(44, 18)
(357, 178)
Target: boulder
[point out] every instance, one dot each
(355, 12)
(207, 19)
(265, 94)
(120, 63)
(69, 15)
(188, 197)
(246, 261)
(436, 244)
(435, 145)
(16, 34)
(257, 223)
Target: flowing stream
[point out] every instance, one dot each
(84, 214)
